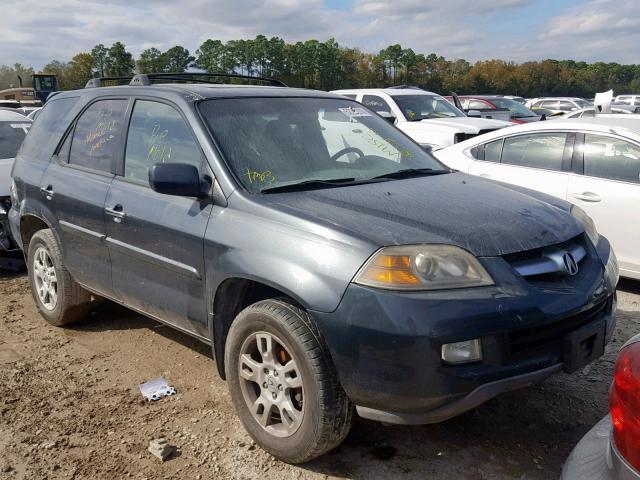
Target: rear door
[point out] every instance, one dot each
(540, 161)
(76, 184)
(156, 241)
(607, 187)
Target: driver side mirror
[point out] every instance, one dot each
(180, 179)
(388, 116)
(474, 114)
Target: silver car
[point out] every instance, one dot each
(611, 449)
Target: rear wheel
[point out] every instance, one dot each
(59, 299)
(283, 382)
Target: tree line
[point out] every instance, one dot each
(328, 65)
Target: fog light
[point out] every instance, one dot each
(462, 352)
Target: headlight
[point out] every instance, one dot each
(586, 221)
(423, 267)
(611, 269)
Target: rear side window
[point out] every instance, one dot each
(47, 129)
(97, 136)
(492, 151)
(376, 103)
(158, 134)
(539, 150)
(352, 96)
(611, 158)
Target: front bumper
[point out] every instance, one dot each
(387, 345)
(596, 458)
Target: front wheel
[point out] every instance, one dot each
(283, 383)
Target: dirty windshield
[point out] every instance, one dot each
(275, 142)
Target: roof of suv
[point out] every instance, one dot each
(392, 91)
(202, 91)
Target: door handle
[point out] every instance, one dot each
(587, 197)
(47, 191)
(116, 212)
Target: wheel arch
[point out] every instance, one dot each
(232, 296)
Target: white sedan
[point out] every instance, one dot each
(591, 162)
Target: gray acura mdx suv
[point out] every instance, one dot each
(332, 264)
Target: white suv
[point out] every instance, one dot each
(426, 117)
(628, 99)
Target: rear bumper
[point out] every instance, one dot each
(596, 458)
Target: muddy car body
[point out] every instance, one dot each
(324, 276)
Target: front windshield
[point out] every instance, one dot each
(275, 141)
(420, 107)
(517, 109)
(583, 103)
(11, 136)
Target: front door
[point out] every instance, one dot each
(609, 191)
(76, 184)
(156, 241)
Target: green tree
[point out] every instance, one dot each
(100, 55)
(176, 59)
(119, 62)
(80, 70)
(151, 60)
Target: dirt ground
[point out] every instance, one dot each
(70, 408)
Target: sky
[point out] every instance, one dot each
(517, 30)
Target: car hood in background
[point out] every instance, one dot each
(467, 124)
(486, 218)
(5, 176)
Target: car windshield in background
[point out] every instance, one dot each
(317, 142)
(517, 109)
(11, 136)
(583, 103)
(421, 107)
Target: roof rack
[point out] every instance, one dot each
(410, 87)
(107, 82)
(143, 79)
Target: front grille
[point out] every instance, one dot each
(547, 263)
(548, 338)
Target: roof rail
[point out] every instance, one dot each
(410, 87)
(143, 79)
(195, 77)
(107, 82)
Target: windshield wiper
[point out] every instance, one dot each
(411, 172)
(333, 182)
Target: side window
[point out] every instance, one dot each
(539, 150)
(96, 138)
(477, 105)
(492, 151)
(48, 128)
(566, 106)
(550, 104)
(352, 96)
(158, 134)
(612, 158)
(376, 103)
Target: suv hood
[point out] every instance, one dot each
(486, 218)
(467, 124)
(5, 176)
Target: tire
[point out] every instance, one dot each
(326, 411)
(72, 301)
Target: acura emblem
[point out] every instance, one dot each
(569, 263)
